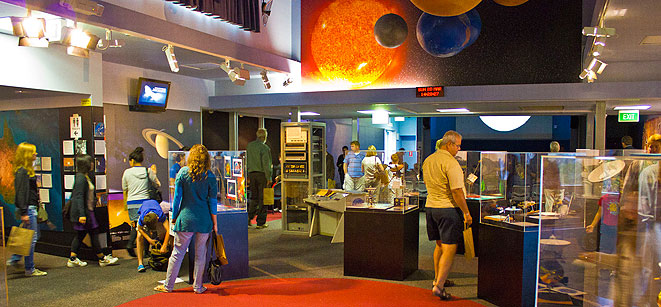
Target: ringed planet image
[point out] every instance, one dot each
(160, 140)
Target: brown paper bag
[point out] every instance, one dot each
(20, 241)
(219, 247)
(268, 196)
(468, 243)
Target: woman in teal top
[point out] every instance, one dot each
(193, 214)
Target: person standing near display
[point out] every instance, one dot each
(82, 217)
(353, 178)
(135, 184)
(330, 170)
(446, 201)
(26, 201)
(258, 161)
(178, 159)
(194, 209)
(372, 165)
(340, 164)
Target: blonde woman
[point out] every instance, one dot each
(26, 201)
(193, 214)
(371, 167)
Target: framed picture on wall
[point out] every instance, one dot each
(231, 189)
(68, 165)
(237, 168)
(228, 167)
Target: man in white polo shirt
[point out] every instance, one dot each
(445, 204)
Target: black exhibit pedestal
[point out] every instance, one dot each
(507, 265)
(381, 244)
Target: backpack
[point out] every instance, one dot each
(158, 261)
(154, 192)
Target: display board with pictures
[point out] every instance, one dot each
(229, 170)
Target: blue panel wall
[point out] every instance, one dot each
(370, 135)
(438, 126)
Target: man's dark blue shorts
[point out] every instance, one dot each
(445, 224)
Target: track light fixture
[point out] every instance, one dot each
(172, 59)
(596, 67)
(109, 42)
(598, 31)
(598, 46)
(287, 82)
(31, 31)
(265, 79)
(237, 75)
(78, 41)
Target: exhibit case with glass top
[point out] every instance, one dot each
(600, 238)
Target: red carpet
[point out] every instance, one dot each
(270, 217)
(304, 292)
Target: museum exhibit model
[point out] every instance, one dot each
(229, 167)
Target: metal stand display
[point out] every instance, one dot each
(303, 172)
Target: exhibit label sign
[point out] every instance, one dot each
(628, 116)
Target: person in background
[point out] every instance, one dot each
(26, 201)
(353, 178)
(178, 159)
(258, 160)
(150, 215)
(135, 185)
(627, 142)
(371, 166)
(193, 214)
(554, 146)
(330, 169)
(340, 164)
(400, 155)
(445, 203)
(82, 217)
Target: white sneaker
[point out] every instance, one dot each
(77, 262)
(108, 260)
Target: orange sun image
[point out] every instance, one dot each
(343, 45)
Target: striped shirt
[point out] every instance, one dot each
(354, 163)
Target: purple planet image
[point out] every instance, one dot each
(447, 36)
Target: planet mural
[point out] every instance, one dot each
(447, 36)
(510, 2)
(390, 30)
(160, 140)
(343, 45)
(445, 8)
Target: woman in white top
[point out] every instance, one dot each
(136, 190)
(371, 166)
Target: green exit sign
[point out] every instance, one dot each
(628, 116)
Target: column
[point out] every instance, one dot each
(600, 126)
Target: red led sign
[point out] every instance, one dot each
(429, 91)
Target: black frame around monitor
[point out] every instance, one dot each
(135, 106)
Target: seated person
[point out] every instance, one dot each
(153, 226)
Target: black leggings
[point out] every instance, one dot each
(78, 240)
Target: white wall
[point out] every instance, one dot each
(275, 38)
(50, 69)
(186, 93)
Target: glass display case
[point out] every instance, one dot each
(229, 167)
(600, 231)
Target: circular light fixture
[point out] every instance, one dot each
(504, 123)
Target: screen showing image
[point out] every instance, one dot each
(152, 95)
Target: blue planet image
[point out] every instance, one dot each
(447, 36)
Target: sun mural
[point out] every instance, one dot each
(343, 45)
(7, 150)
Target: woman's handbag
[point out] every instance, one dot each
(215, 264)
(20, 240)
(154, 192)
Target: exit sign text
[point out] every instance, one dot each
(628, 116)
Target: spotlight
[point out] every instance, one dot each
(108, 42)
(598, 64)
(86, 7)
(237, 75)
(172, 60)
(79, 42)
(288, 81)
(266, 10)
(265, 79)
(29, 27)
(598, 32)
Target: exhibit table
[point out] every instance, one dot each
(507, 264)
(381, 242)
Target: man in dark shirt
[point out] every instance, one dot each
(258, 162)
(340, 164)
(627, 142)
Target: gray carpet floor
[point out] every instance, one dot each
(272, 255)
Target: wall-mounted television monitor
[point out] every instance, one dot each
(152, 96)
